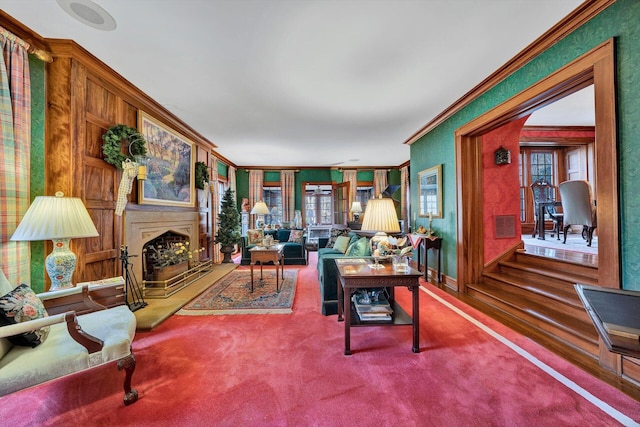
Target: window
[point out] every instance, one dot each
(272, 197)
(317, 206)
(535, 163)
(363, 194)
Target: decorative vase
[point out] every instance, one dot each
(297, 220)
(161, 274)
(227, 251)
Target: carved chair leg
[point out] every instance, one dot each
(128, 363)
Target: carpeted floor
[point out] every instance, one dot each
(291, 371)
(233, 295)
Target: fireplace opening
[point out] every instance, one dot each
(167, 249)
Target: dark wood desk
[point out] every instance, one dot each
(542, 207)
(616, 315)
(418, 241)
(357, 276)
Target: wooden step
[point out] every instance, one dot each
(584, 266)
(543, 294)
(567, 274)
(554, 322)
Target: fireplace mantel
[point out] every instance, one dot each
(142, 226)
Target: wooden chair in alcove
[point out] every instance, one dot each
(579, 208)
(544, 192)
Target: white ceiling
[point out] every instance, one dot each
(306, 82)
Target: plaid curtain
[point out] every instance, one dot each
(256, 178)
(215, 207)
(288, 186)
(379, 181)
(15, 135)
(404, 190)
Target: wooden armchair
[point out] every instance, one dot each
(88, 326)
(544, 192)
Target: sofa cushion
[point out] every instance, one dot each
(342, 243)
(335, 233)
(359, 248)
(255, 237)
(21, 305)
(296, 236)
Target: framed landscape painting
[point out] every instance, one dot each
(170, 165)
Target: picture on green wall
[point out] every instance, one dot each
(430, 192)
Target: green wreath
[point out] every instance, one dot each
(112, 146)
(201, 175)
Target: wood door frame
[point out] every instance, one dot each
(596, 67)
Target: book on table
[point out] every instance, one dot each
(372, 309)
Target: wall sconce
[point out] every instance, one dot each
(502, 156)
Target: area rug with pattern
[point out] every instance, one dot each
(232, 295)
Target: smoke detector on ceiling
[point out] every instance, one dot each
(89, 14)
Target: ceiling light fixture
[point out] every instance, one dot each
(89, 14)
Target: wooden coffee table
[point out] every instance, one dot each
(273, 254)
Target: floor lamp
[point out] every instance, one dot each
(59, 219)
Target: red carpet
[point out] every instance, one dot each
(285, 370)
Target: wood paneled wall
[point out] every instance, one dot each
(84, 99)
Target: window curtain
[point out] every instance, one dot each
(256, 178)
(288, 186)
(351, 176)
(379, 181)
(404, 200)
(15, 140)
(216, 256)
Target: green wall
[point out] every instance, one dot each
(37, 75)
(306, 175)
(619, 21)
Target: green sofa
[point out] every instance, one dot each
(294, 253)
(328, 272)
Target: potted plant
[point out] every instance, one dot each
(228, 233)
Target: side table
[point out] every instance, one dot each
(310, 246)
(429, 242)
(272, 254)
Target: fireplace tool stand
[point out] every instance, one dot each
(132, 292)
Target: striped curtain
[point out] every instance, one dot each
(288, 186)
(15, 149)
(379, 181)
(256, 178)
(231, 181)
(351, 176)
(215, 208)
(404, 199)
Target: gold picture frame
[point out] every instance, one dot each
(430, 192)
(170, 165)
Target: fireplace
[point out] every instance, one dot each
(154, 249)
(143, 226)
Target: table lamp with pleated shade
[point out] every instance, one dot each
(59, 219)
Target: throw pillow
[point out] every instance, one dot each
(335, 233)
(254, 237)
(20, 305)
(342, 243)
(359, 248)
(296, 236)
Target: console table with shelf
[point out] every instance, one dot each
(359, 275)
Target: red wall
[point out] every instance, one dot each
(501, 186)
